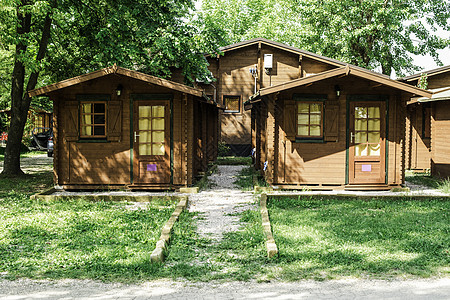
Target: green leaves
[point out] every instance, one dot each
(368, 33)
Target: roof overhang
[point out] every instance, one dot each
(119, 71)
(440, 94)
(429, 73)
(342, 71)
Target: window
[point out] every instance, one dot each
(232, 104)
(93, 119)
(152, 130)
(309, 119)
(39, 123)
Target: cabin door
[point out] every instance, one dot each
(151, 135)
(367, 143)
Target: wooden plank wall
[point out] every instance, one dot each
(108, 163)
(233, 78)
(440, 142)
(325, 163)
(418, 147)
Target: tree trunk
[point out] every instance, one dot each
(20, 101)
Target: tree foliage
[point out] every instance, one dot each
(368, 33)
(51, 40)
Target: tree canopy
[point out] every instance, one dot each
(50, 40)
(368, 33)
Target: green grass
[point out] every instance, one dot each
(429, 181)
(324, 239)
(75, 238)
(246, 177)
(234, 160)
(239, 256)
(23, 153)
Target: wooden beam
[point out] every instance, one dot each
(390, 82)
(300, 58)
(115, 70)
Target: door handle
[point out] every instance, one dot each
(135, 135)
(352, 136)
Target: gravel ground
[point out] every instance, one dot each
(219, 205)
(426, 289)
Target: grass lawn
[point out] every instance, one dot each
(234, 160)
(22, 154)
(76, 238)
(428, 180)
(324, 239)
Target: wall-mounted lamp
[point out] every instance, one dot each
(338, 90)
(119, 90)
(254, 72)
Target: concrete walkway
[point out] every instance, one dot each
(337, 289)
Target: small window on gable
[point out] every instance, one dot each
(232, 104)
(309, 119)
(93, 119)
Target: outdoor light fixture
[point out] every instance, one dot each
(254, 72)
(338, 90)
(119, 90)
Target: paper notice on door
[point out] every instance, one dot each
(366, 168)
(151, 167)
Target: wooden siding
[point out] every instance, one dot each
(233, 78)
(107, 162)
(418, 147)
(440, 142)
(323, 163)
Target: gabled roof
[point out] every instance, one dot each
(288, 48)
(347, 70)
(120, 71)
(439, 94)
(429, 73)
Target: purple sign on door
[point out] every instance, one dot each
(366, 168)
(151, 167)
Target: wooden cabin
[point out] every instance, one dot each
(117, 128)
(40, 118)
(340, 128)
(246, 67)
(427, 126)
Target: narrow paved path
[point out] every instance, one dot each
(423, 289)
(219, 205)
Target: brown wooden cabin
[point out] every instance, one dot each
(428, 126)
(40, 118)
(118, 128)
(341, 128)
(274, 63)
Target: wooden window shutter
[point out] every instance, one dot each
(331, 130)
(290, 119)
(71, 126)
(114, 121)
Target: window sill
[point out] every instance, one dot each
(303, 140)
(93, 141)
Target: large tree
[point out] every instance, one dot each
(63, 38)
(369, 33)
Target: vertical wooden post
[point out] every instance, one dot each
(260, 68)
(300, 58)
(55, 140)
(184, 146)
(270, 142)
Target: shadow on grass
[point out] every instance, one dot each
(333, 238)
